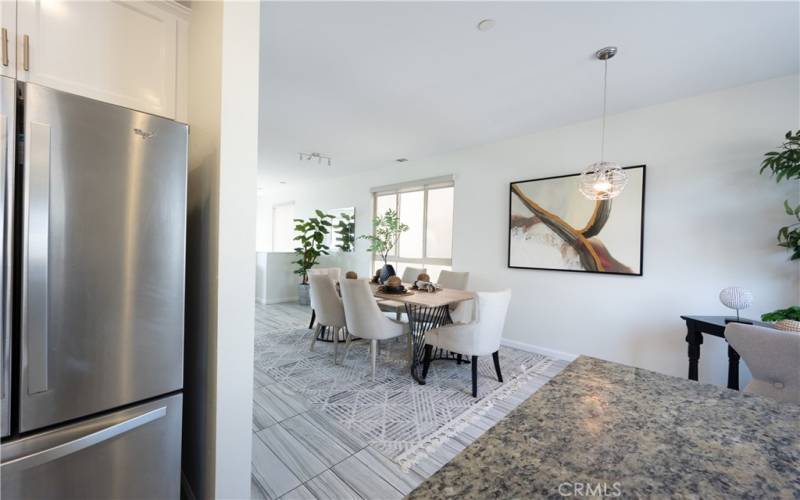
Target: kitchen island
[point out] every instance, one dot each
(604, 429)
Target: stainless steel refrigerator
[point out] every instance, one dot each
(93, 267)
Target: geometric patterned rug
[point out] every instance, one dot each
(402, 419)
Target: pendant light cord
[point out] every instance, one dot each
(603, 127)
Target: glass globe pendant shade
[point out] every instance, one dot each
(602, 180)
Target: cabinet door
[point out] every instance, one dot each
(123, 53)
(8, 23)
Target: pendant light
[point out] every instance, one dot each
(603, 180)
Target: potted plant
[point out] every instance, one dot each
(785, 164)
(387, 229)
(311, 238)
(785, 319)
(346, 229)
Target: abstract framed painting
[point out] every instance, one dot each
(552, 226)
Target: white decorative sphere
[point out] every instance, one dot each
(736, 297)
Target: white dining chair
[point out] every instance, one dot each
(335, 274)
(329, 310)
(365, 319)
(453, 280)
(392, 306)
(461, 312)
(773, 357)
(479, 337)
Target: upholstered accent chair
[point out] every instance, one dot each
(773, 357)
(479, 337)
(329, 310)
(365, 319)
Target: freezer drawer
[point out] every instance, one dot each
(103, 246)
(134, 453)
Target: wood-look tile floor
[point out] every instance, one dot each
(299, 453)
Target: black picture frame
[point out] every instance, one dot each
(641, 232)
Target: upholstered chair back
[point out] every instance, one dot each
(410, 274)
(364, 318)
(335, 273)
(490, 320)
(454, 280)
(325, 301)
(773, 357)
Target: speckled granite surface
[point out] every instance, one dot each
(604, 428)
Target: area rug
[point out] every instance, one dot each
(404, 420)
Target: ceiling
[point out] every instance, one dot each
(369, 82)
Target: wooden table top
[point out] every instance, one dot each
(442, 297)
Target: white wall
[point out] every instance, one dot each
(223, 156)
(710, 222)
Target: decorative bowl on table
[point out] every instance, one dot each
(393, 285)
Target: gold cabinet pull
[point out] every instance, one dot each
(5, 46)
(26, 53)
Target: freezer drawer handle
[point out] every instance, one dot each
(76, 445)
(5, 46)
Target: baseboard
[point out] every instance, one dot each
(522, 346)
(280, 300)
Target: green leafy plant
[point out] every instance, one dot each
(785, 164)
(387, 229)
(311, 237)
(346, 229)
(781, 314)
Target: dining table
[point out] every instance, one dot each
(425, 311)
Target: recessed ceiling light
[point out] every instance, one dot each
(401, 160)
(486, 25)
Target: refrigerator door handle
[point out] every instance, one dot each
(48, 455)
(7, 223)
(35, 255)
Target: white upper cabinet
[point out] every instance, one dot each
(8, 24)
(132, 53)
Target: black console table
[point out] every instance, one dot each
(713, 325)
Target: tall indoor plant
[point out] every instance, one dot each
(346, 229)
(387, 229)
(311, 234)
(784, 164)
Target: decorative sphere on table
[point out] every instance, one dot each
(736, 297)
(394, 282)
(351, 275)
(423, 277)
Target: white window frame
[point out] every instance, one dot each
(424, 185)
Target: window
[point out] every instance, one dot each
(427, 208)
(283, 227)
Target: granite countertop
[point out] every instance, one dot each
(608, 430)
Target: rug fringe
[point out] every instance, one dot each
(435, 440)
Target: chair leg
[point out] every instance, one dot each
(335, 344)
(496, 358)
(348, 340)
(314, 338)
(474, 376)
(374, 353)
(458, 359)
(313, 317)
(426, 361)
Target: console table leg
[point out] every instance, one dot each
(694, 339)
(733, 369)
